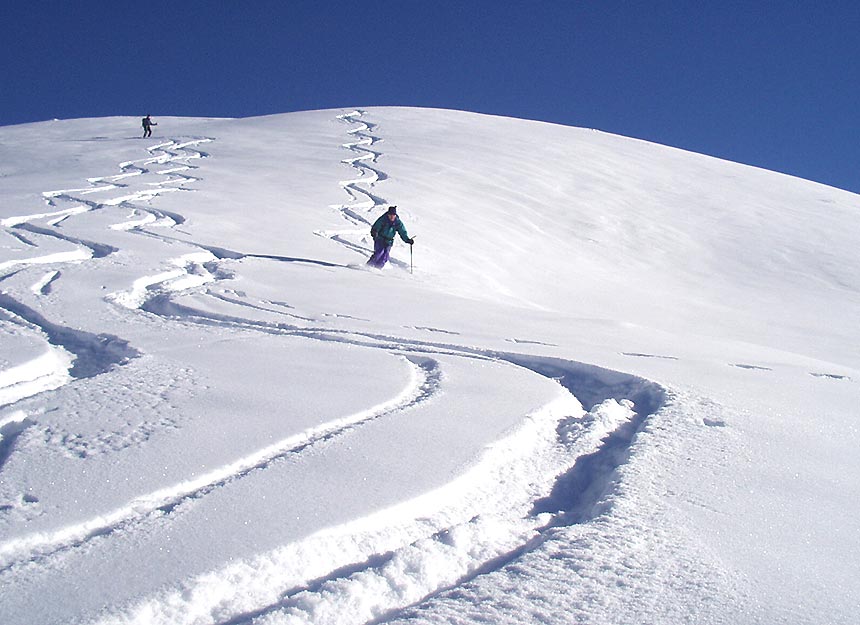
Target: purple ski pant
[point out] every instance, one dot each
(381, 250)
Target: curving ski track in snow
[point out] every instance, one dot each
(553, 471)
(480, 527)
(401, 556)
(362, 200)
(360, 210)
(166, 162)
(422, 384)
(163, 171)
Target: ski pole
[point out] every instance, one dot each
(410, 258)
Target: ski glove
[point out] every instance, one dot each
(411, 241)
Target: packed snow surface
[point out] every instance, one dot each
(611, 382)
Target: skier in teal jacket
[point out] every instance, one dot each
(383, 232)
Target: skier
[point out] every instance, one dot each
(383, 232)
(147, 124)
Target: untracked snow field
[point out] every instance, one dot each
(611, 382)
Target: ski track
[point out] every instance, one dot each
(481, 526)
(166, 165)
(424, 381)
(460, 540)
(592, 447)
(45, 284)
(360, 209)
(95, 353)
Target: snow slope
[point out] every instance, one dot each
(615, 382)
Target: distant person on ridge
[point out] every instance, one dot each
(147, 124)
(383, 232)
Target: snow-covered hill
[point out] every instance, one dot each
(614, 382)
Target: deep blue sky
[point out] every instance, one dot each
(772, 84)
